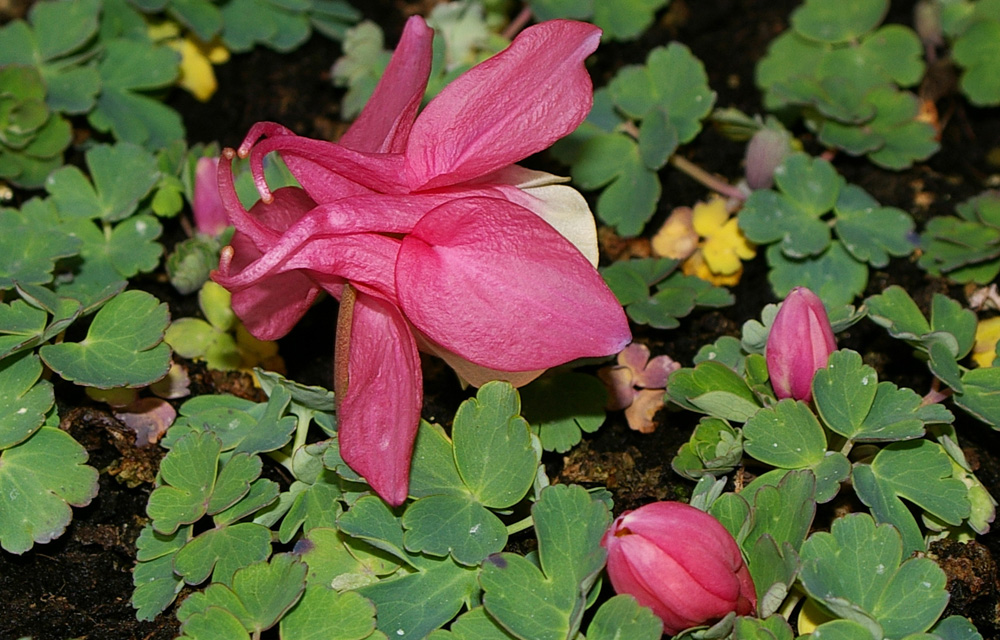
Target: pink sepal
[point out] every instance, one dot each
(379, 415)
(506, 108)
(526, 299)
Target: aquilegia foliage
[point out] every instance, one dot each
(431, 237)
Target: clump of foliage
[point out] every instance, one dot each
(847, 77)
(799, 217)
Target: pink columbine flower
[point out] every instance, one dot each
(431, 237)
(210, 216)
(680, 562)
(800, 342)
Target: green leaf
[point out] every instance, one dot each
(24, 398)
(57, 29)
(474, 624)
(156, 584)
(833, 23)
(30, 244)
(242, 426)
(834, 275)
(773, 570)
(40, 479)
(907, 139)
(21, 326)
(811, 184)
(444, 588)
(871, 233)
(630, 280)
(370, 520)
(433, 470)
(493, 446)
(554, 9)
(187, 478)
(714, 448)
(324, 614)
(260, 594)
(128, 68)
(919, 471)
(248, 22)
(631, 190)
(547, 601)
(562, 406)
(214, 623)
(314, 504)
(715, 389)
(220, 552)
(627, 19)
(673, 82)
(786, 435)
(440, 525)
(976, 52)
(337, 560)
(782, 506)
(855, 572)
(122, 176)
(124, 345)
(844, 392)
(980, 395)
(622, 617)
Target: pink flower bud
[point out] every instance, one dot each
(800, 342)
(681, 563)
(210, 215)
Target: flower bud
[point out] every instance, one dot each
(681, 563)
(210, 215)
(800, 342)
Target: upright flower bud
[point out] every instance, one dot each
(210, 216)
(800, 342)
(681, 563)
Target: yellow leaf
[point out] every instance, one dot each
(724, 249)
(987, 335)
(708, 217)
(676, 239)
(696, 266)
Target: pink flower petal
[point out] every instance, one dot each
(149, 418)
(657, 372)
(269, 307)
(498, 286)
(385, 122)
(618, 380)
(504, 109)
(380, 172)
(380, 412)
(641, 412)
(635, 356)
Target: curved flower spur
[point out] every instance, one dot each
(430, 237)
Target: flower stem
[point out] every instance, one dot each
(714, 183)
(519, 526)
(936, 395)
(515, 26)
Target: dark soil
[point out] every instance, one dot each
(80, 584)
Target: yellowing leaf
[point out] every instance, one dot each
(987, 335)
(197, 58)
(696, 266)
(677, 238)
(724, 249)
(708, 217)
